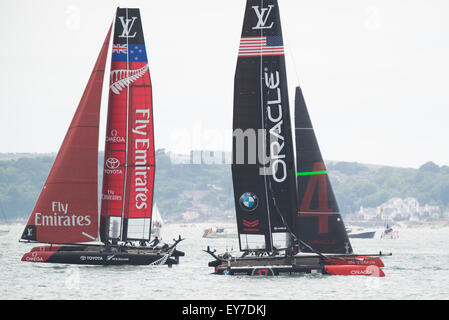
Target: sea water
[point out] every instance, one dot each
(418, 269)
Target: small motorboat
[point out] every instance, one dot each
(360, 233)
(389, 233)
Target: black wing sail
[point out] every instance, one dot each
(263, 162)
(319, 224)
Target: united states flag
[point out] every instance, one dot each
(261, 46)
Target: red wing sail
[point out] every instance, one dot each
(128, 175)
(67, 208)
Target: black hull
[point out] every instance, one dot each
(293, 269)
(111, 259)
(92, 254)
(339, 264)
(270, 270)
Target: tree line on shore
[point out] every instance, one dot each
(354, 184)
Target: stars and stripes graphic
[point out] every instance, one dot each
(261, 46)
(120, 48)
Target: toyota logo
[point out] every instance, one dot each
(112, 163)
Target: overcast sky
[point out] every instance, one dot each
(374, 73)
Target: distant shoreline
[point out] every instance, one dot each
(208, 224)
(400, 225)
(422, 225)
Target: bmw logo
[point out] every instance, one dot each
(248, 201)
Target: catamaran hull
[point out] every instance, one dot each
(96, 248)
(97, 258)
(100, 255)
(348, 270)
(272, 266)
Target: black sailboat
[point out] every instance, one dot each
(287, 216)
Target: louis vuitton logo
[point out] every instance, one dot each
(127, 25)
(262, 16)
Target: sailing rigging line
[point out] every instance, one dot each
(110, 45)
(153, 153)
(291, 54)
(278, 211)
(292, 57)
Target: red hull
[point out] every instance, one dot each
(45, 248)
(354, 270)
(358, 260)
(37, 256)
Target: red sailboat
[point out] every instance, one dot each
(66, 213)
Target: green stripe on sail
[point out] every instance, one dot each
(310, 173)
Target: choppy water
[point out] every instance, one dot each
(418, 269)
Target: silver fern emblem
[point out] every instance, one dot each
(122, 78)
(164, 258)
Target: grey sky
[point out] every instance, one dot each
(374, 73)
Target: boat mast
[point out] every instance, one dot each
(264, 143)
(126, 139)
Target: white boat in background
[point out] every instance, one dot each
(389, 233)
(4, 229)
(156, 223)
(219, 232)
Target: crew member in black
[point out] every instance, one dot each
(155, 242)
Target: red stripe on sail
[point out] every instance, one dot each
(67, 208)
(141, 157)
